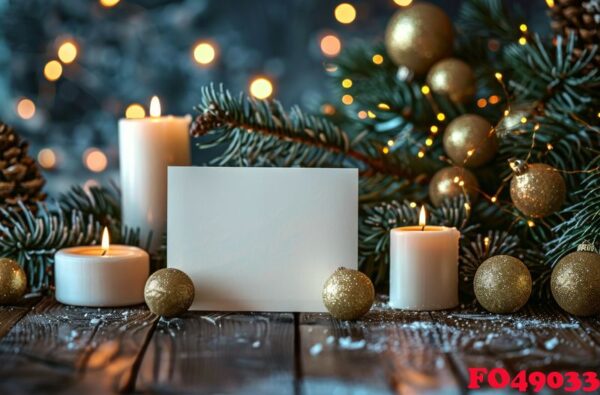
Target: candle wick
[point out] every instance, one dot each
(103, 252)
(423, 228)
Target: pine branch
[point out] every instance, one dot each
(260, 132)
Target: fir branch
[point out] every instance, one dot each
(488, 19)
(261, 132)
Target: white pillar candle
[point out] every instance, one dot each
(147, 147)
(101, 275)
(424, 267)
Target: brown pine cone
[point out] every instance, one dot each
(20, 178)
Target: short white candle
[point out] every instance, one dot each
(147, 147)
(101, 276)
(424, 267)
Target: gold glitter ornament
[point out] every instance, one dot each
(13, 281)
(450, 182)
(575, 282)
(418, 36)
(469, 140)
(454, 78)
(536, 189)
(169, 292)
(502, 284)
(348, 294)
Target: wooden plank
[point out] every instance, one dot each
(54, 348)
(10, 315)
(385, 352)
(249, 353)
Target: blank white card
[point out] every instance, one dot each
(261, 239)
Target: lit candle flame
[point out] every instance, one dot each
(422, 217)
(155, 107)
(105, 241)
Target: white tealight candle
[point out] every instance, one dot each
(424, 267)
(107, 275)
(147, 147)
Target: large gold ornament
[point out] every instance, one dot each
(418, 36)
(575, 281)
(13, 281)
(348, 294)
(502, 284)
(454, 78)
(536, 189)
(169, 292)
(450, 182)
(469, 140)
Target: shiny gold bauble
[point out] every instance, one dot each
(348, 294)
(450, 182)
(502, 284)
(454, 78)
(575, 283)
(469, 140)
(536, 189)
(169, 292)
(418, 36)
(13, 281)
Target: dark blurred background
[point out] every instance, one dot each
(70, 69)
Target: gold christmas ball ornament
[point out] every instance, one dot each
(502, 284)
(536, 189)
(469, 140)
(450, 182)
(13, 281)
(169, 292)
(418, 36)
(453, 78)
(575, 282)
(348, 294)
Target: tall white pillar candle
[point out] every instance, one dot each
(424, 267)
(147, 147)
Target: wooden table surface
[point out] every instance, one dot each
(46, 347)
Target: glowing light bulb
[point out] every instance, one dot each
(261, 88)
(377, 59)
(155, 107)
(347, 99)
(441, 116)
(109, 3)
(345, 13)
(403, 3)
(523, 27)
(385, 150)
(425, 89)
(347, 83)
(53, 70)
(67, 52)
(204, 53)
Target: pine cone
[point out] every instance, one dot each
(20, 178)
(581, 17)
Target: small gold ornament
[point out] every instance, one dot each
(348, 294)
(13, 281)
(169, 292)
(469, 140)
(575, 281)
(513, 121)
(502, 284)
(454, 78)
(536, 189)
(450, 182)
(418, 36)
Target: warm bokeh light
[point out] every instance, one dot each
(498, 76)
(135, 111)
(261, 88)
(362, 114)
(383, 106)
(523, 27)
(155, 110)
(204, 53)
(347, 83)
(550, 3)
(522, 41)
(421, 154)
(434, 129)
(371, 114)
(347, 99)
(377, 59)
(403, 3)
(441, 116)
(46, 158)
(425, 90)
(494, 99)
(345, 13)
(390, 143)
(331, 45)
(95, 160)
(385, 150)
(327, 109)
(109, 3)
(67, 52)
(481, 103)
(429, 142)
(53, 70)
(26, 108)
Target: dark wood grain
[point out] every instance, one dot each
(62, 349)
(249, 353)
(385, 352)
(10, 315)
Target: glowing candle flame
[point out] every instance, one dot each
(422, 217)
(155, 107)
(105, 240)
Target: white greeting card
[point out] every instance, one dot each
(261, 239)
